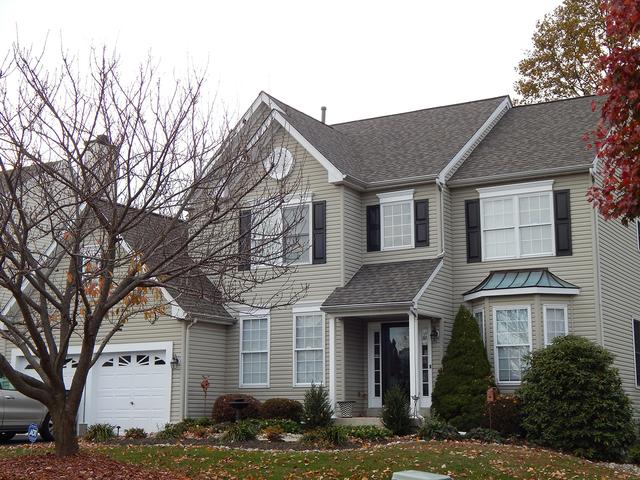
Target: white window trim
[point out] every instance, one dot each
(515, 192)
(251, 315)
(391, 198)
(633, 343)
(496, 362)
(300, 311)
(483, 332)
(559, 306)
(292, 200)
(373, 401)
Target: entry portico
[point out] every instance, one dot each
(379, 337)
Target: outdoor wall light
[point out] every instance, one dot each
(435, 334)
(175, 361)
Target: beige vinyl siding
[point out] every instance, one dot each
(577, 268)
(207, 356)
(354, 221)
(355, 371)
(421, 192)
(318, 280)
(619, 262)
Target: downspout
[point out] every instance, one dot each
(440, 187)
(185, 364)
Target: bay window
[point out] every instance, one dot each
(555, 322)
(517, 221)
(254, 351)
(478, 315)
(512, 326)
(308, 362)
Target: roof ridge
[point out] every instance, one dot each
(555, 100)
(302, 113)
(421, 110)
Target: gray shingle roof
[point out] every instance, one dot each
(193, 292)
(378, 283)
(404, 145)
(536, 137)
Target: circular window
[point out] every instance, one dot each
(279, 163)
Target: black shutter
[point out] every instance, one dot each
(319, 232)
(373, 228)
(244, 242)
(421, 219)
(562, 214)
(472, 222)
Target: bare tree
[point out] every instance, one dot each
(110, 191)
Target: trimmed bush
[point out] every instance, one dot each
(484, 435)
(224, 412)
(461, 387)
(435, 428)
(135, 433)
(505, 415)
(242, 431)
(282, 408)
(572, 400)
(396, 411)
(317, 409)
(100, 432)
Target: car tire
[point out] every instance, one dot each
(6, 436)
(46, 429)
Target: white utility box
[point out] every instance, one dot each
(416, 475)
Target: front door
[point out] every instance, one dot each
(395, 356)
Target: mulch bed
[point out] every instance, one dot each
(78, 467)
(214, 442)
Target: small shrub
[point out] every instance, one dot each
(572, 400)
(224, 412)
(396, 411)
(242, 431)
(484, 435)
(282, 408)
(505, 415)
(198, 431)
(317, 409)
(176, 430)
(370, 433)
(288, 426)
(274, 433)
(100, 432)
(461, 386)
(327, 437)
(135, 433)
(633, 454)
(435, 428)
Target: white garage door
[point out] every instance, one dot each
(132, 389)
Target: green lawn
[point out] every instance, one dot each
(460, 460)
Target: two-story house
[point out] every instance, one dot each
(411, 215)
(404, 218)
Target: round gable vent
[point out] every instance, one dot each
(279, 163)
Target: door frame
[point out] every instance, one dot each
(424, 330)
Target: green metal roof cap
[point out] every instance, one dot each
(509, 279)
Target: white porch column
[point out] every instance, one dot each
(332, 361)
(414, 356)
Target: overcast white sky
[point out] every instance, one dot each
(359, 58)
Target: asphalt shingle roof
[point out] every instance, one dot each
(384, 283)
(404, 145)
(534, 138)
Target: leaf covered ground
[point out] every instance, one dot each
(460, 460)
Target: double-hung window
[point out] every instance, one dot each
(297, 233)
(308, 362)
(555, 322)
(517, 220)
(266, 238)
(254, 350)
(396, 215)
(512, 326)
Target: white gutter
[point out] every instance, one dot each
(185, 366)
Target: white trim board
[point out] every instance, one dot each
(515, 189)
(503, 292)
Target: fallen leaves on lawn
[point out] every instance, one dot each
(77, 467)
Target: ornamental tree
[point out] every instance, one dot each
(617, 137)
(90, 159)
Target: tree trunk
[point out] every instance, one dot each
(64, 431)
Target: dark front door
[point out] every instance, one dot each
(395, 356)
